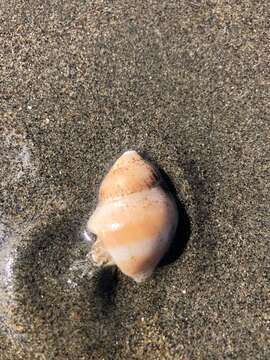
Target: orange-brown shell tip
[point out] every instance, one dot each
(129, 174)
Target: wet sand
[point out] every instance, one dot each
(187, 85)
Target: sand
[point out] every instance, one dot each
(186, 83)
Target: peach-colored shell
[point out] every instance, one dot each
(135, 218)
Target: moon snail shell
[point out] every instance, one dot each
(135, 218)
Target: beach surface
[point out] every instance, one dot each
(186, 84)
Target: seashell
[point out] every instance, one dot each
(135, 218)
